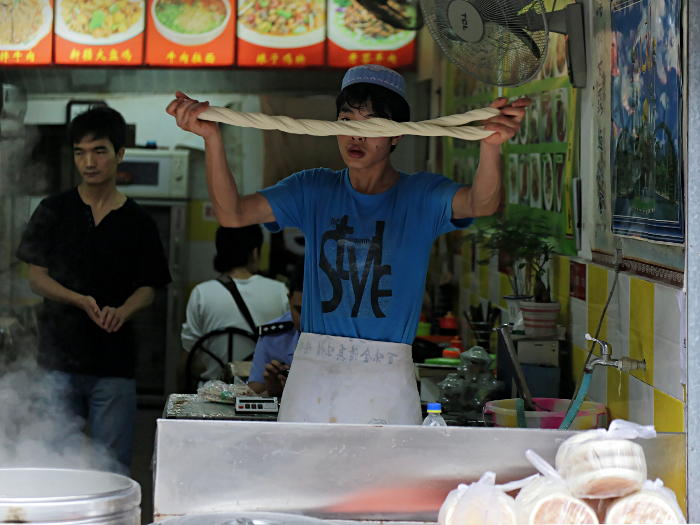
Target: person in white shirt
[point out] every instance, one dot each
(212, 306)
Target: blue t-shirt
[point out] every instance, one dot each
(279, 346)
(366, 255)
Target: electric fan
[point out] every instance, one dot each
(504, 42)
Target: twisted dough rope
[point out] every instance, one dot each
(450, 126)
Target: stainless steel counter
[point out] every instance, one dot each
(347, 471)
(190, 406)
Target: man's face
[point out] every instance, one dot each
(295, 308)
(363, 152)
(96, 160)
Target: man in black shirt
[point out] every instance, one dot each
(96, 258)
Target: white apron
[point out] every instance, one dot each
(345, 380)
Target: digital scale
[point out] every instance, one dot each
(257, 404)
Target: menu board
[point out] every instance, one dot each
(356, 36)
(539, 160)
(190, 33)
(99, 32)
(281, 33)
(25, 32)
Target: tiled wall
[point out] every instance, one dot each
(642, 322)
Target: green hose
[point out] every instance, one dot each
(573, 410)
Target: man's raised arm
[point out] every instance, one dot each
(232, 209)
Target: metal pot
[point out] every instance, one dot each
(68, 497)
(243, 518)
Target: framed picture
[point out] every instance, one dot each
(76, 107)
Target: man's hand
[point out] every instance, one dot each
(274, 379)
(111, 319)
(89, 304)
(507, 124)
(186, 112)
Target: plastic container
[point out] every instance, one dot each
(448, 361)
(448, 324)
(456, 343)
(434, 418)
(423, 329)
(592, 415)
(450, 353)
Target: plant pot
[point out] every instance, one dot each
(540, 319)
(513, 302)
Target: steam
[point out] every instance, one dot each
(37, 427)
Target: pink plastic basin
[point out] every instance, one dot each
(591, 415)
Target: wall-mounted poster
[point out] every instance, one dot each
(99, 33)
(356, 36)
(281, 33)
(190, 33)
(25, 32)
(645, 150)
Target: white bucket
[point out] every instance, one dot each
(540, 319)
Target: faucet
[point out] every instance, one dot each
(624, 364)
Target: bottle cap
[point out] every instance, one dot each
(434, 407)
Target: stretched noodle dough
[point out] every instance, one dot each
(450, 126)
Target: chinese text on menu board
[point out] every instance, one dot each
(90, 55)
(17, 57)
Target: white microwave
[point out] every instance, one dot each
(154, 173)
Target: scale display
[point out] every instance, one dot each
(257, 404)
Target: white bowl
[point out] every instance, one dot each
(185, 39)
(281, 42)
(44, 29)
(89, 40)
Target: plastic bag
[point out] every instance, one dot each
(603, 463)
(547, 499)
(221, 392)
(481, 503)
(653, 504)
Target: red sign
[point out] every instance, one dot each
(577, 280)
(194, 33)
(26, 33)
(99, 33)
(356, 36)
(281, 33)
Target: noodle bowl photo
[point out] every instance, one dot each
(191, 22)
(96, 22)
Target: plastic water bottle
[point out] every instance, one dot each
(434, 418)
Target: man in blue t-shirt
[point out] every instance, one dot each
(368, 230)
(278, 340)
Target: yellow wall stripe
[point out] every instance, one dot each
(200, 229)
(642, 327)
(597, 294)
(618, 394)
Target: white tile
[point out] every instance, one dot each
(667, 367)
(641, 402)
(667, 315)
(667, 348)
(579, 323)
(623, 314)
(614, 336)
(598, 390)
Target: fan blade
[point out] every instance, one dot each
(394, 13)
(527, 40)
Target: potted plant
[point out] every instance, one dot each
(521, 245)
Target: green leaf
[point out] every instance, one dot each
(98, 18)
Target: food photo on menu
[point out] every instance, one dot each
(191, 17)
(23, 23)
(97, 22)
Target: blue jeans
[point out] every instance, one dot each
(108, 404)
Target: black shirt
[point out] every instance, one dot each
(108, 262)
